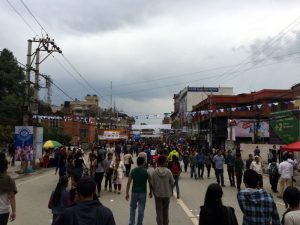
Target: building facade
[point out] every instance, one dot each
(241, 118)
(186, 99)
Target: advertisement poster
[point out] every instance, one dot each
(24, 143)
(285, 125)
(109, 135)
(38, 138)
(245, 128)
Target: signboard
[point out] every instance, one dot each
(109, 135)
(203, 89)
(245, 128)
(285, 125)
(24, 143)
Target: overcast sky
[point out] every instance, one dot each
(151, 49)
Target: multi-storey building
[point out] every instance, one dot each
(186, 98)
(243, 117)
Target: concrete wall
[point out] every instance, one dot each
(264, 150)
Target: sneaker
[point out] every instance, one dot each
(110, 190)
(223, 185)
(119, 192)
(279, 196)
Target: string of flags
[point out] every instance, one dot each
(231, 109)
(94, 119)
(161, 116)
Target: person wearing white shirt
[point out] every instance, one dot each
(286, 175)
(257, 167)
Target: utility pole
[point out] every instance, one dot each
(26, 110)
(47, 45)
(36, 82)
(210, 121)
(110, 125)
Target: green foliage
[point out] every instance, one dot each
(56, 134)
(11, 89)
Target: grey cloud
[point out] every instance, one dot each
(93, 16)
(275, 48)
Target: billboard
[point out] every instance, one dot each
(24, 143)
(245, 128)
(285, 126)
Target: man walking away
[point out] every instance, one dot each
(139, 177)
(208, 162)
(193, 164)
(286, 175)
(219, 167)
(249, 161)
(86, 210)
(238, 167)
(257, 205)
(175, 168)
(162, 182)
(200, 163)
(273, 168)
(230, 168)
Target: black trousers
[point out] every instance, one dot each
(208, 167)
(4, 218)
(274, 182)
(108, 181)
(200, 167)
(98, 180)
(239, 177)
(230, 171)
(128, 168)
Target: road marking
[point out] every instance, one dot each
(33, 179)
(184, 207)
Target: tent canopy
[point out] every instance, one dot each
(293, 147)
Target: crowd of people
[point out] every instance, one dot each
(159, 166)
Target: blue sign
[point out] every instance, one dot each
(203, 89)
(24, 143)
(137, 137)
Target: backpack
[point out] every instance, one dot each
(273, 171)
(175, 169)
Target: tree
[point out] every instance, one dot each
(11, 89)
(11, 95)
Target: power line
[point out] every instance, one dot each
(61, 90)
(277, 37)
(79, 74)
(216, 75)
(17, 12)
(68, 72)
(27, 8)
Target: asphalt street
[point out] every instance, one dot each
(34, 192)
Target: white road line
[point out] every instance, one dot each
(33, 179)
(192, 217)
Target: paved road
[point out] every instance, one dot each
(34, 192)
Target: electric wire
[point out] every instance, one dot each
(30, 12)
(266, 45)
(196, 80)
(19, 14)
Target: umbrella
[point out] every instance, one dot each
(51, 144)
(294, 147)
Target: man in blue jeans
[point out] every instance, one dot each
(219, 167)
(139, 177)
